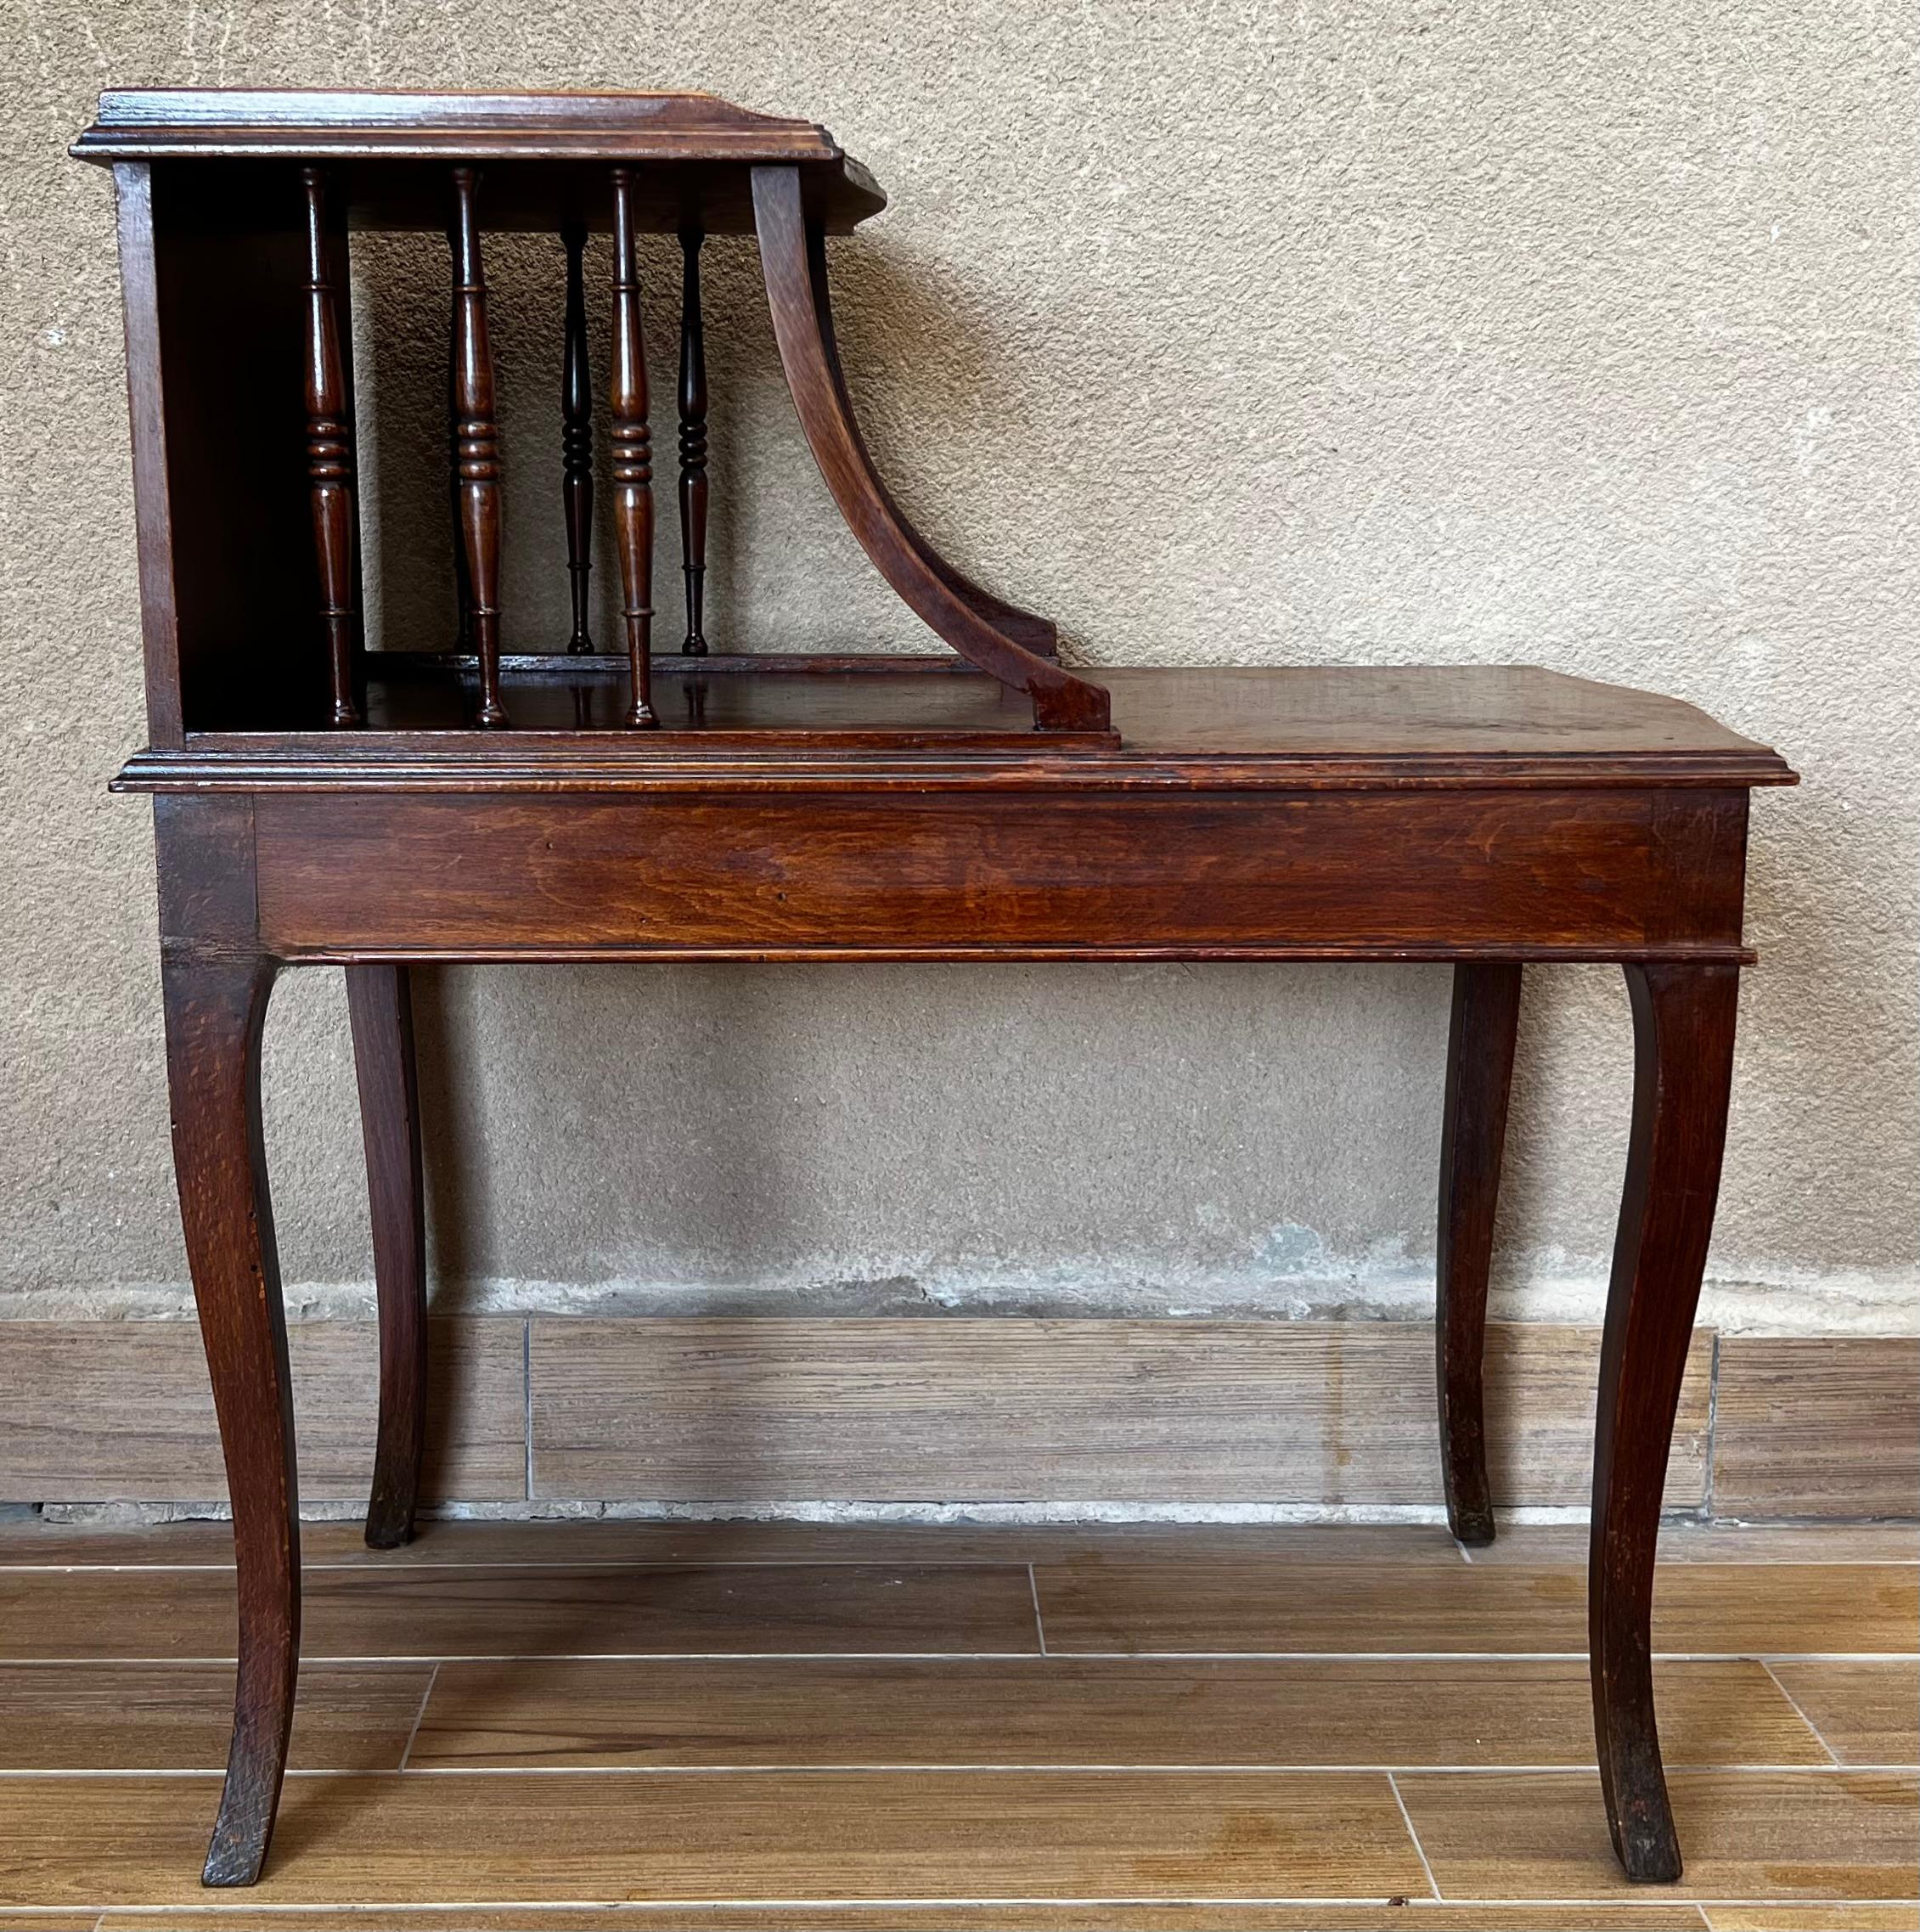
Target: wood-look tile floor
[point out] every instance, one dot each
(549, 1727)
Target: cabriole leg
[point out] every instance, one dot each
(379, 1003)
(1683, 1018)
(216, 1001)
(1486, 1019)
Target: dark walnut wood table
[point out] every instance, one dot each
(317, 802)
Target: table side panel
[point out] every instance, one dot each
(425, 874)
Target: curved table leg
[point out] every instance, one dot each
(1683, 1020)
(792, 255)
(380, 1004)
(216, 1002)
(1486, 1022)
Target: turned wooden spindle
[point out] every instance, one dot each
(329, 448)
(693, 441)
(462, 587)
(633, 457)
(478, 438)
(577, 438)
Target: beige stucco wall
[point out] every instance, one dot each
(1579, 335)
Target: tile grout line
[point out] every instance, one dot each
(1420, 1850)
(420, 1717)
(867, 1904)
(771, 1767)
(1452, 1657)
(1818, 1737)
(1039, 1623)
(891, 1560)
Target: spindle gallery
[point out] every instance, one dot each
(317, 802)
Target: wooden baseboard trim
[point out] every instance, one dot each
(771, 1409)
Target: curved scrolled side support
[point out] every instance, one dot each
(1032, 631)
(1002, 641)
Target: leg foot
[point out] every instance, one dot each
(216, 1003)
(381, 1005)
(1683, 1064)
(1486, 1019)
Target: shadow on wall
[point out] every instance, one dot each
(842, 1139)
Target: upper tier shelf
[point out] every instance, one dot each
(712, 143)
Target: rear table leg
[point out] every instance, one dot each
(1486, 1020)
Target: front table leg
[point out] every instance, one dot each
(216, 1000)
(1683, 1064)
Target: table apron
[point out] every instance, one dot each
(1602, 873)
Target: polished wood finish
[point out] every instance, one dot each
(632, 460)
(1480, 1044)
(577, 440)
(478, 439)
(214, 989)
(1038, 635)
(461, 646)
(983, 874)
(542, 148)
(693, 443)
(380, 1009)
(160, 614)
(1683, 1069)
(1008, 808)
(792, 720)
(797, 295)
(330, 446)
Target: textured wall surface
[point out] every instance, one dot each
(1449, 333)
